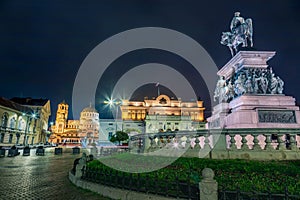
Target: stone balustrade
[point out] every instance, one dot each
(227, 143)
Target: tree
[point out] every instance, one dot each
(119, 136)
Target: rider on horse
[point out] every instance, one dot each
(236, 22)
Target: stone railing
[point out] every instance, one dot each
(226, 143)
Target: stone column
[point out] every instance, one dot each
(208, 186)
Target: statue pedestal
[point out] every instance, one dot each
(263, 111)
(246, 59)
(256, 99)
(220, 111)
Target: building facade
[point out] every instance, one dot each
(163, 114)
(83, 131)
(23, 121)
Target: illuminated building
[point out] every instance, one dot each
(23, 121)
(164, 114)
(86, 129)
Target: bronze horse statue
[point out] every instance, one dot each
(240, 35)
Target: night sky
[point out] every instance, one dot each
(43, 43)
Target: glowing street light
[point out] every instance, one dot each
(113, 102)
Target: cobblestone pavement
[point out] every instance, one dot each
(40, 177)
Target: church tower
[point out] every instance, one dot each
(61, 117)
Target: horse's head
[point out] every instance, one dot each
(226, 38)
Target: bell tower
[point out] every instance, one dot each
(61, 117)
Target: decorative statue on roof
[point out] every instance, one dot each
(241, 32)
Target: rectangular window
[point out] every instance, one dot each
(109, 135)
(2, 137)
(10, 138)
(110, 124)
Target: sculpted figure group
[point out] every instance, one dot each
(248, 81)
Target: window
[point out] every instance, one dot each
(4, 120)
(10, 138)
(18, 138)
(109, 135)
(2, 137)
(110, 124)
(12, 123)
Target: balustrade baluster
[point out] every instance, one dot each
(197, 143)
(188, 142)
(244, 143)
(281, 142)
(206, 143)
(232, 142)
(293, 143)
(256, 145)
(268, 142)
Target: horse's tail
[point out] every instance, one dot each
(250, 27)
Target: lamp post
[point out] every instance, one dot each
(28, 123)
(111, 103)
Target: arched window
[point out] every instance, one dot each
(12, 123)
(21, 124)
(4, 120)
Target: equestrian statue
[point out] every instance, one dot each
(241, 32)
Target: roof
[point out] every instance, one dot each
(89, 109)
(15, 106)
(29, 101)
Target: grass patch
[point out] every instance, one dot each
(248, 175)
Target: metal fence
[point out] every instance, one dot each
(146, 184)
(254, 195)
(175, 188)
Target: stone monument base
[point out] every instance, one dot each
(262, 111)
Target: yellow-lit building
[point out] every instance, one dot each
(164, 114)
(86, 129)
(23, 121)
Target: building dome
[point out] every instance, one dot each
(90, 109)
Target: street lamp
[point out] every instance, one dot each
(113, 102)
(29, 118)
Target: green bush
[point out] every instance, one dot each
(244, 174)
